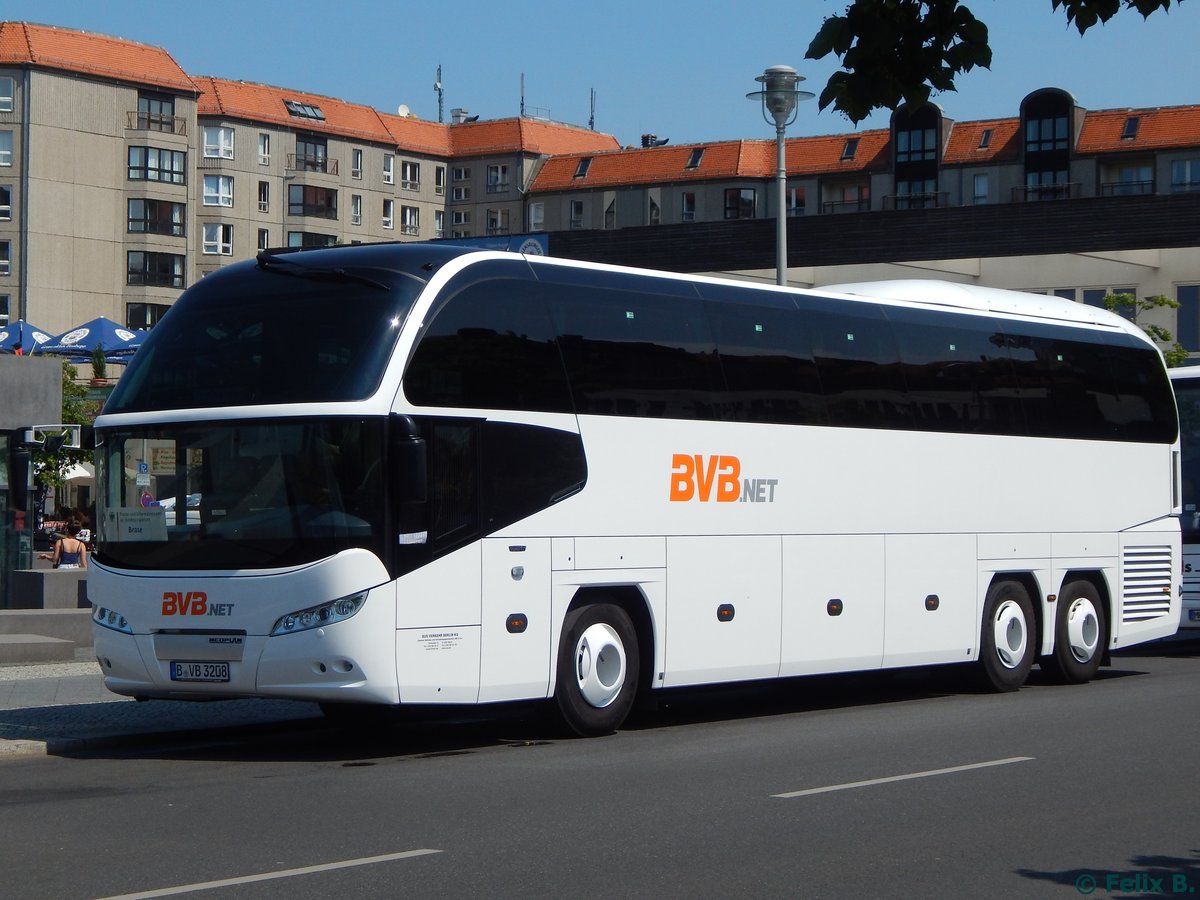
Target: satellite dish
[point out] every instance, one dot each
(403, 111)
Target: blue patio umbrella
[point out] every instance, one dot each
(78, 343)
(30, 337)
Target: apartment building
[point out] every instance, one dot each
(123, 179)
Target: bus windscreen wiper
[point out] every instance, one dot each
(270, 262)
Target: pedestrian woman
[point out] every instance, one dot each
(69, 551)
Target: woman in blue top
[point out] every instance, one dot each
(69, 552)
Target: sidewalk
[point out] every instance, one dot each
(64, 707)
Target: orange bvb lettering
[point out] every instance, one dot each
(697, 475)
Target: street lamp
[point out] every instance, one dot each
(779, 97)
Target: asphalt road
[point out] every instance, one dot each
(894, 785)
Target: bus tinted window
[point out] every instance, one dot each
(858, 364)
(958, 372)
(490, 346)
(634, 345)
(1145, 409)
(766, 355)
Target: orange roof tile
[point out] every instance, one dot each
(963, 148)
(1159, 128)
(823, 155)
(264, 103)
(526, 136)
(418, 135)
(48, 47)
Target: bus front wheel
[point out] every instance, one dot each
(1009, 642)
(1080, 634)
(597, 669)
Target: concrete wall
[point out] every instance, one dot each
(30, 391)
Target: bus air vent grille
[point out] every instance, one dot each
(1145, 583)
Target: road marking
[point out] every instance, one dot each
(268, 876)
(911, 775)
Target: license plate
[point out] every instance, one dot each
(199, 671)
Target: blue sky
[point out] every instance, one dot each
(678, 69)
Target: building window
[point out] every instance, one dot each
(694, 160)
(356, 209)
(917, 144)
(156, 217)
(218, 239)
(687, 209)
(264, 239)
(740, 203)
(163, 269)
(410, 176)
(264, 149)
(310, 239)
(153, 164)
(302, 110)
(389, 208)
(581, 169)
(6, 148)
(1185, 175)
(410, 220)
(155, 112)
(1046, 134)
(461, 173)
(5, 309)
(144, 315)
(439, 223)
(5, 202)
(218, 142)
(610, 215)
(1129, 130)
(439, 180)
(980, 192)
(537, 216)
(795, 201)
(309, 200)
(460, 193)
(985, 139)
(497, 221)
(7, 98)
(497, 179)
(576, 213)
(218, 190)
(312, 155)
(654, 213)
(389, 162)
(356, 163)
(264, 196)
(462, 217)
(850, 148)
(5, 257)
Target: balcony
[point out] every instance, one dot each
(846, 206)
(1033, 192)
(1126, 188)
(413, 230)
(410, 185)
(920, 200)
(148, 121)
(297, 162)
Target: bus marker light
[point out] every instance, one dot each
(517, 623)
(725, 612)
(834, 607)
(932, 602)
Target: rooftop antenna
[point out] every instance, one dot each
(522, 95)
(592, 117)
(437, 86)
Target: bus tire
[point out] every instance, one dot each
(597, 669)
(1080, 634)
(1009, 642)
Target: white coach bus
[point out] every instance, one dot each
(418, 474)
(1186, 382)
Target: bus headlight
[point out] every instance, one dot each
(319, 616)
(110, 618)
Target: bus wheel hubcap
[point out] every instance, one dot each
(1083, 629)
(1009, 632)
(599, 665)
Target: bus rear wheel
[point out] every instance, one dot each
(1080, 634)
(1009, 642)
(597, 669)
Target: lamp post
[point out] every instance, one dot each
(779, 98)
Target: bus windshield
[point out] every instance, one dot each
(1187, 396)
(239, 495)
(290, 328)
